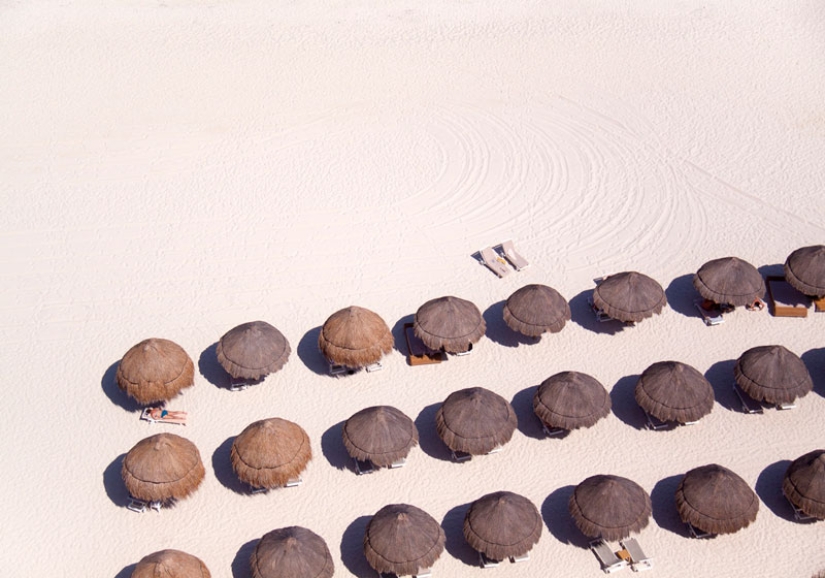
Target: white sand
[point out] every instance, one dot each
(173, 169)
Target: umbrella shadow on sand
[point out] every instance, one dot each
(623, 399)
(352, 548)
(456, 545)
(428, 439)
(663, 498)
(126, 572)
(559, 522)
(222, 466)
(499, 332)
(528, 423)
(210, 369)
(769, 489)
(332, 446)
(814, 360)
(113, 482)
(720, 376)
(582, 314)
(117, 396)
(681, 295)
(309, 353)
(240, 563)
(398, 336)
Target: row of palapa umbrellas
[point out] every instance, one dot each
(156, 370)
(402, 539)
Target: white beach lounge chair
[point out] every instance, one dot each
(638, 560)
(294, 482)
(522, 558)
(607, 557)
(552, 431)
(798, 514)
(374, 367)
(697, 533)
(146, 415)
(709, 317)
(512, 255)
(655, 424)
(460, 456)
(140, 506)
(487, 562)
(399, 464)
(363, 467)
(495, 263)
(601, 316)
(749, 405)
(423, 573)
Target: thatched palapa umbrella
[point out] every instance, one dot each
(270, 452)
(170, 564)
(502, 525)
(772, 374)
(715, 500)
(804, 483)
(629, 296)
(381, 434)
(293, 552)
(729, 280)
(571, 400)
(162, 467)
(402, 539)
(536, 309)
(155, 370)
(449, 323)
(609, 507)
(805, 270)
(674, 391)
(253, 350)
(475, 420)
(355, 337)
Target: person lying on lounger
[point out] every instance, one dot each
(159, 414)
(757, 305)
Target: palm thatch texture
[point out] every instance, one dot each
(170, 564)
(571, 400)
(804, 483)
(715, 500)
(293, 552)
(402, 539)
(729, 280)
(629, 296)
(772, 374)
(381, 434)
(449, 323)
(162, 467)
(502, 525)
(674, 391)
(536, 309)
(609, 507)
(805, 270)
(475, 420)
(155, 370)
(253, 350)
(355, 337)
(270, 452)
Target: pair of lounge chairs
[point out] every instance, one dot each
(709, 316)
(146, 415)
(363, 467)
(423, 573)
(631, 553)
(291, 483)
(497, 258)
(419, 353)
(491, 563)
(656, 424)
(140, 506)
(750, 405)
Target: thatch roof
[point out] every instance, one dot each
(629, 296)
(536, 309)
(355, 337)
(270, 452)
(170, 564)
(772, 374)
(804, 483)
(729, 280)
(162, 467)
(571, 400)
(293, 552)
(715, 500)
(674, 391)
(609, 507)
(805, 270)
(402, 539)
(502, 524)
(449, 323)
(475, 420)
(380, 434)
(155, 370)
(253, 350)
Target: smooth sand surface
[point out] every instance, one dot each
(173, 169)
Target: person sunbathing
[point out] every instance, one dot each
(159, 414)
(757, 305)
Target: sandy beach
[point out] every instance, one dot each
(174, 169)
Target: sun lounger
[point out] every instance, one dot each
(399, 464)
(495, 263)
(512, 255)
(697, 533)
(712, 317)
(469, 350)
(140, 506)
(638, 560)
(363, 467)
(146, 415)
(294, 482)
(552, 431)
(798, 514)
(487, 562)
(522, 558)
(788, 405)
(419, 353)
(655, 424)
(423, 573)
(601, 316)
(785, 300)
(374, 367)
(607, 557)
(749, 405)
(460, 456)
